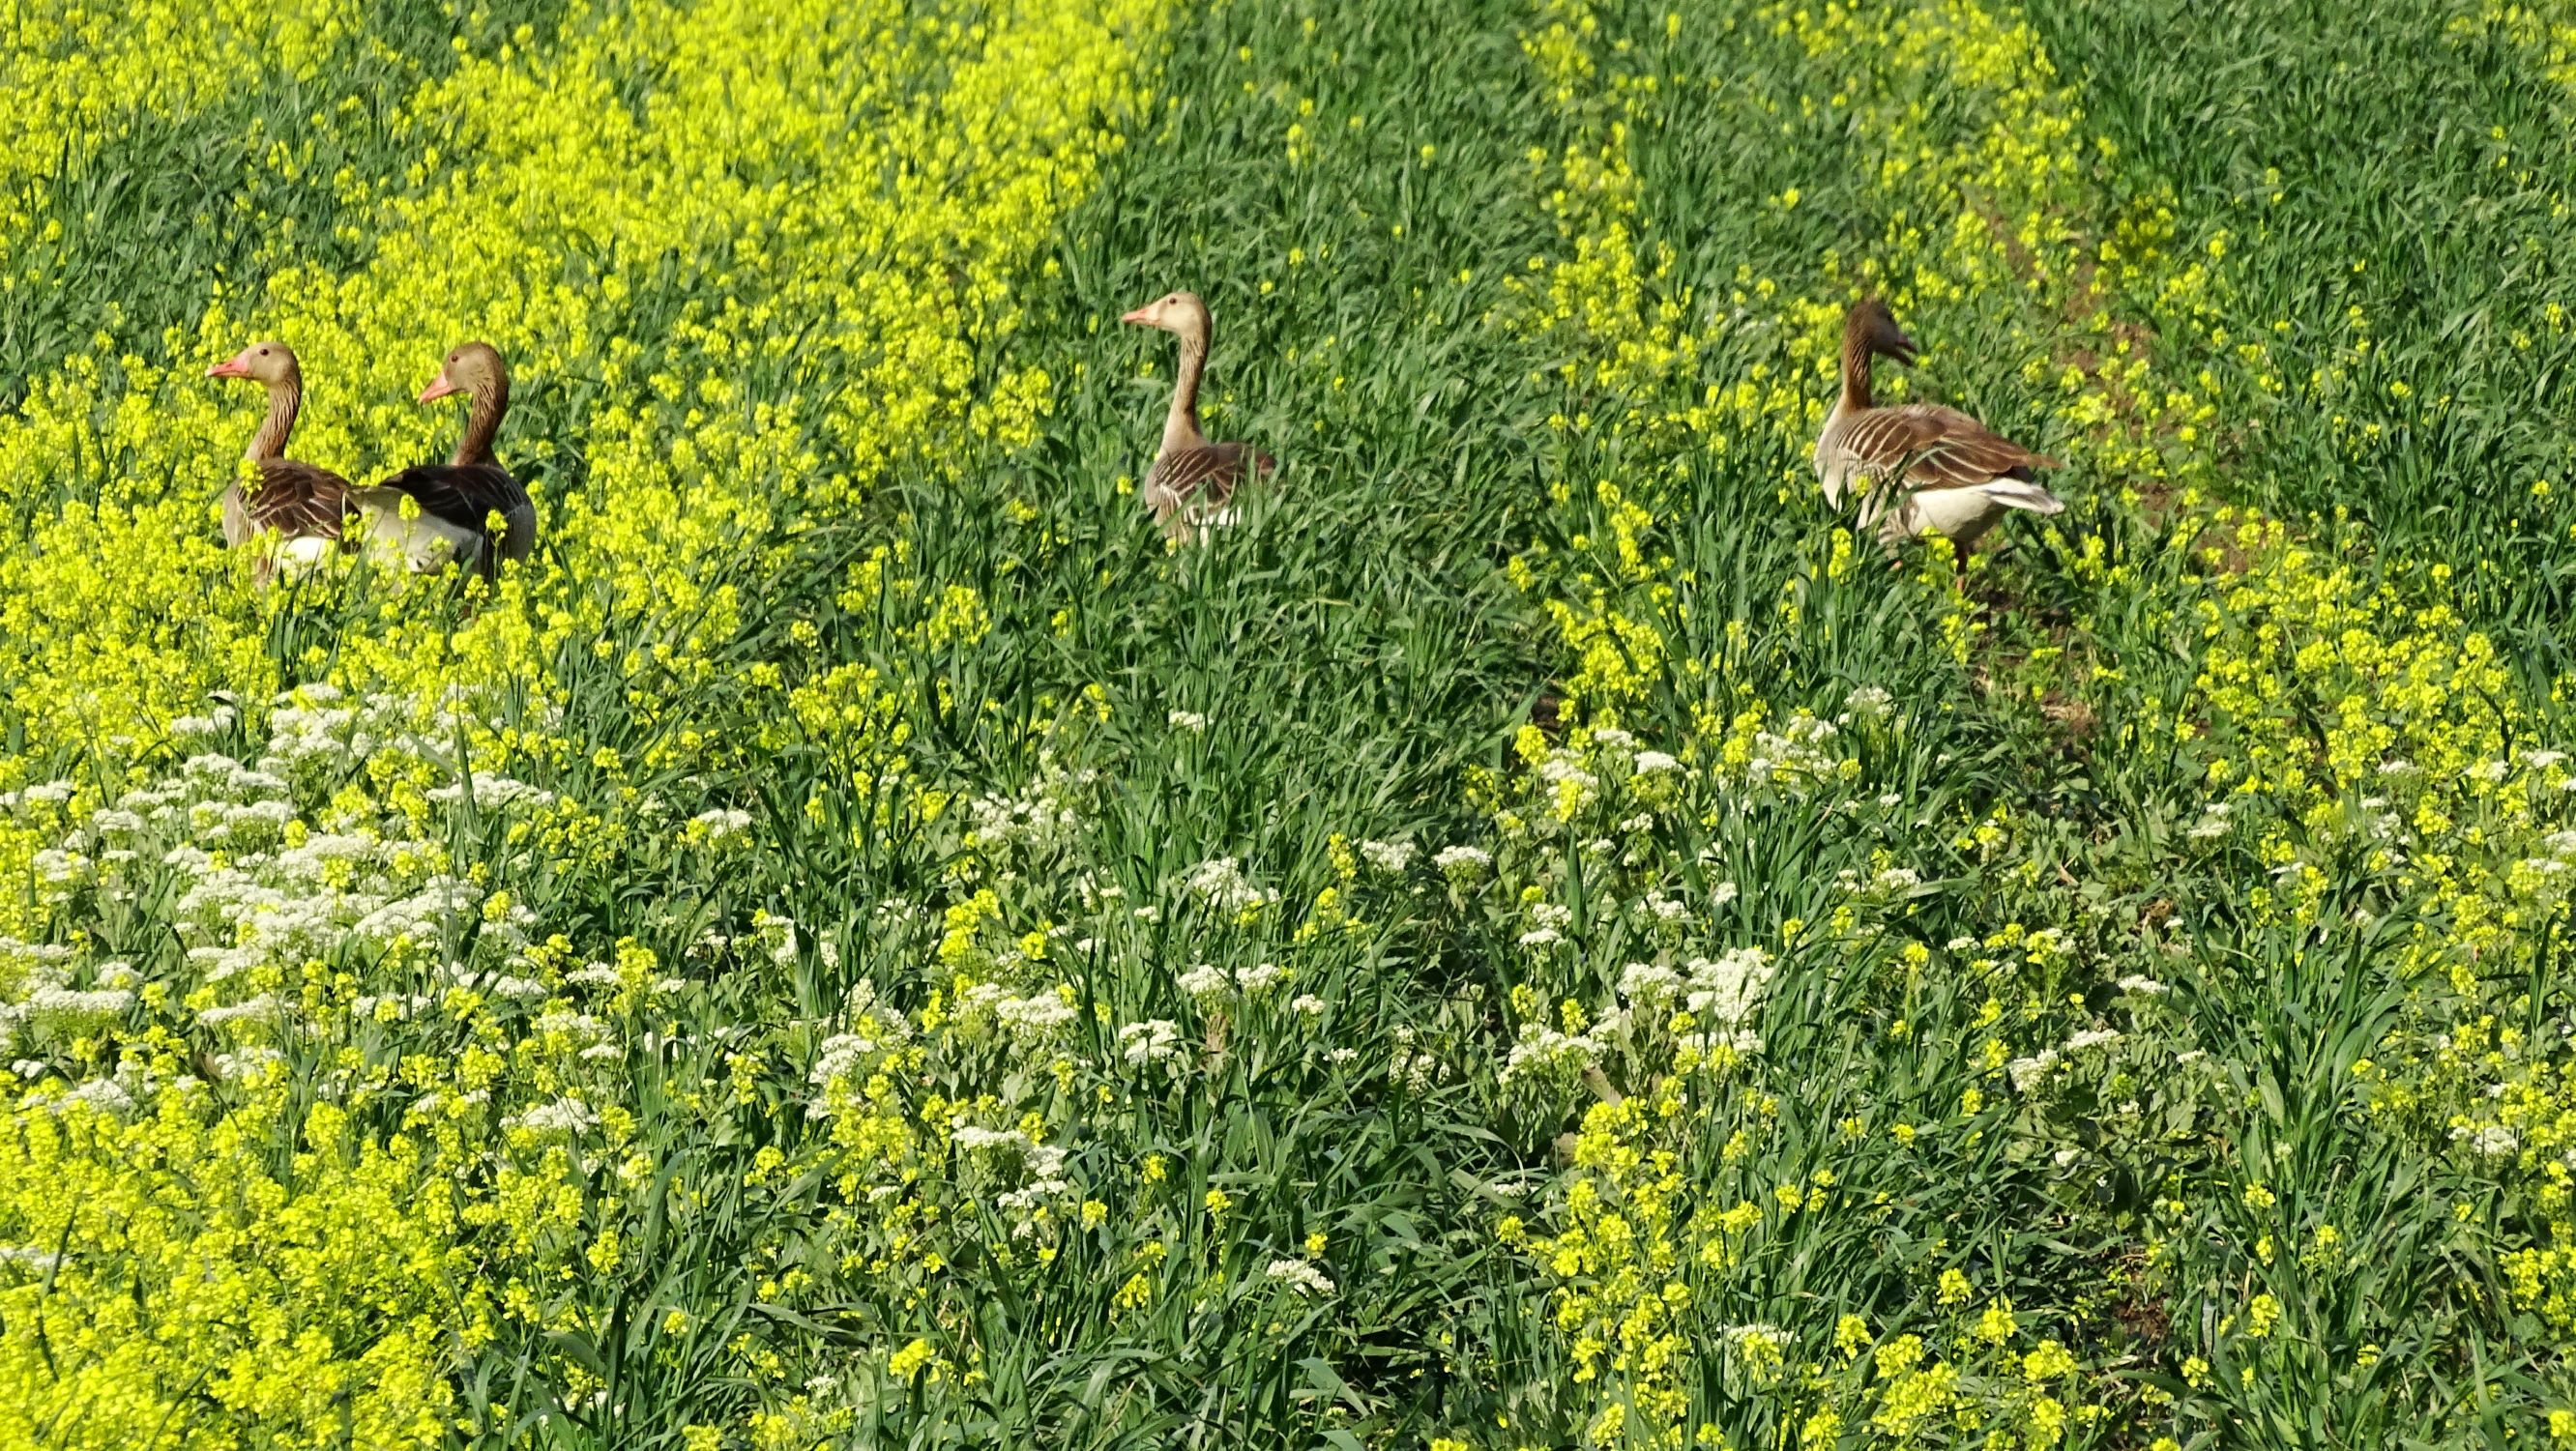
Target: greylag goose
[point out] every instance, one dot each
(459, 499)
(1193, 480)
(305, 507)
(1926, 469)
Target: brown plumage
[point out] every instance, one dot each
(1192, 480)
(457, 500)
(304, 507)
(1925, 469)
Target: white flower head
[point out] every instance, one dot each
(1388, 856)
(1726, 990)
(1154, 1041)
(1869, 702)
(2027, 1072)
(1462, 862)
(1220, 882)
(1301, 1276)
(1207, 981)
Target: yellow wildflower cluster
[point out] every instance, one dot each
(2344, 719)
(195, 1237)
(851, 943)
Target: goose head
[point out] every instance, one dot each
(1875, 328)
(474, 369)
(272, 363)
(1179, 313)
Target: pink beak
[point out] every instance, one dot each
(1143, 315)
(236, 366)
(438, 388)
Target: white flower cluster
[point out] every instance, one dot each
(720, 822)
(490, 792)
(2493, 1140)
(2028, 1073)
(2549, 878)
(1564, 774)
(1220, 883)
(1413, 1065)
(1044, 815)
(1000, 1150)
(1796, 756)
(1155, 1041)
(1462, 863)
(1026, 1020)
(247, 882)
(565, 1117)
(1549, 1056)
(1212, 986)
(1391, 857)
(2213, 822)
(1868, 703)
(848, 1057)
(1548, 921)
(1301, 1276)
(1886, 882)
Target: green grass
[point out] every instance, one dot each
(2015, 838)
(197, 193)
(2403, 161)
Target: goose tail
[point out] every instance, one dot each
(2022, 494)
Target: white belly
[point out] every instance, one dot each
(1958, 515)
(422, 543)
(304, 553)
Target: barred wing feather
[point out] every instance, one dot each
(1937, 447)
(298, 500)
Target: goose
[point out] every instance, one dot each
(306, 508)
(1193, 479)
(1950, 474)
(459, 498)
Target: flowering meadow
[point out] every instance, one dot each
(1537, 936)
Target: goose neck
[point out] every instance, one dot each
(1181, 427)
(482, 426)
(285, 399)
(1856, 360)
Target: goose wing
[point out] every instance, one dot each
(464, 495)
(1208, 474)
(1937, 447)
(298, 500)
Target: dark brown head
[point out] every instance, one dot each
(474, 369)
(1180, 313)
(1874, 327)
(271, 363)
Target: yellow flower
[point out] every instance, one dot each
(1997, 1324)
(908, 1362)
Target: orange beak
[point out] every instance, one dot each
(1143, 316)
(236, 366)
(438, 388)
